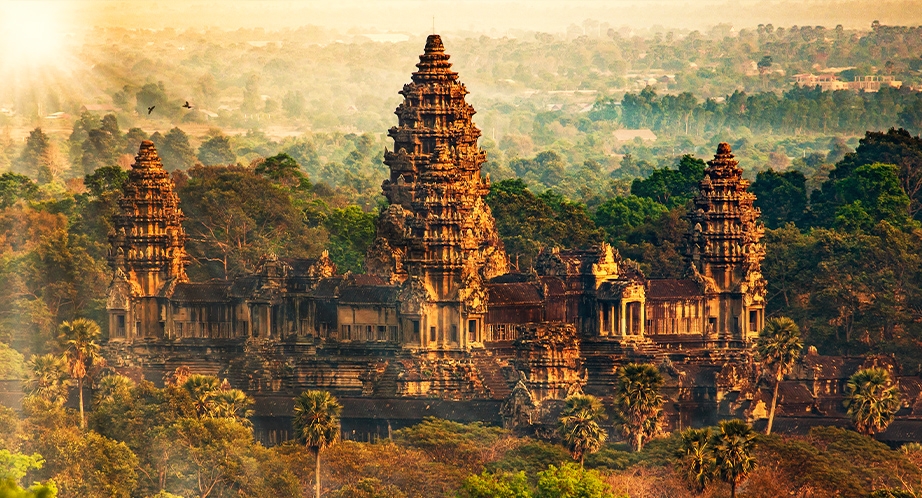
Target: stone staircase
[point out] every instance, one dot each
(491, 375)
(386, 386)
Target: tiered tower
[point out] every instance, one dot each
(438, 237)
(724, 251)
(147, 249)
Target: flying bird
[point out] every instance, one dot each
(150, 109)
(187, 106)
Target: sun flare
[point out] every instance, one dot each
(30, 32)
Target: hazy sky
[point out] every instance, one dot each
(491, 17)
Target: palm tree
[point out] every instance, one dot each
(47, 378)
(232, 403)
(872, 400)
(638, 402)
(203, 389)
(316, 425)
(81, 351)
(112, 388)
(779, 346)
(696, 458)
(732, 446)
(579, 428)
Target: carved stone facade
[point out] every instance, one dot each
(438, 232)
(438, 316)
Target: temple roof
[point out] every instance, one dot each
(204, 292)
(518, 293)
(665, 288)
(369, 294)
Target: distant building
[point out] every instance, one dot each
(829, 82)
(98, 108)
(644, 134)
(438, 317)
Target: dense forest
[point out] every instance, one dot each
(281, 152)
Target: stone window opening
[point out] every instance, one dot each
(472, 330)
(454, 333)
(432, 334)
(120, 326)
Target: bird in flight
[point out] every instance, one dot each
(187, 106)
(150, 109)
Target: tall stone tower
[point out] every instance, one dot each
(724, 251)
(437, 238)
(147, 250)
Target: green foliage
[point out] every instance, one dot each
(15, 466)
(14, 187)
(12, 364)
(733, 452)
(837, 462)
(9, 489)
(316, 419)
(619, 216)
(571, 481)
(782, 197)
(216, 151)
(638, 402)
(464, 445)
(174, 149)
(47, 378)
(696, 461)
(579, 426)
(489, 485)
(351, 232)
(235, 217)
(778, 347)
(533, 456)
(527, 223)
(37, 145)
(285, 171)
(872, 400)
(671, 187)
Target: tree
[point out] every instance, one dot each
(778, 346)
(232, 403)
(782, 197)
(174, 149)
(153, 94)
(316, 425)
(578, 426)
(671, 187)
(351, 231)
(235, 217)
(495, 485)
(47, 378)
(101, 148)
(872, 400)
(79, 339)
(618, 216)
(285, 171)
(14, 187)
(293, 103)
(202, 389)
(696, 461)
(638, 402)
(733, 458)
(570, 481)
(37, 145)
(216, 151)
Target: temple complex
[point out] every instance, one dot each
(439, 325)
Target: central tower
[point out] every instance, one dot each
(437, 238)
(724, 251)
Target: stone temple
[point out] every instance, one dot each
(438, 324)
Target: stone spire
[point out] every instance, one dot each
(438, 219)
(437, 231)
(723, 245)
(148, 247)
